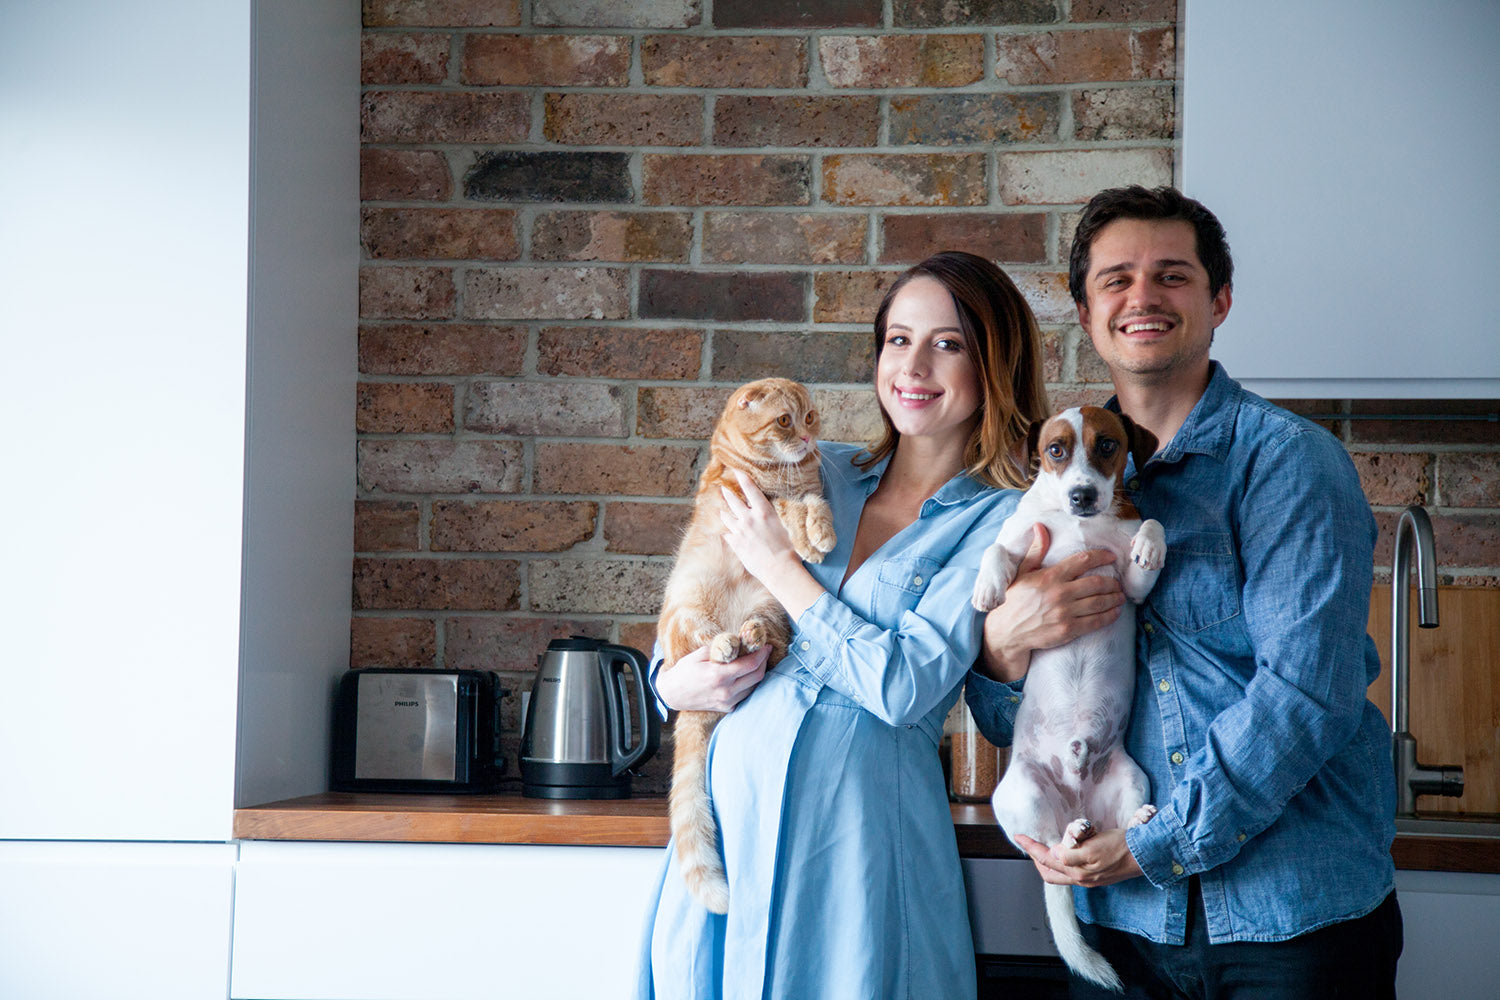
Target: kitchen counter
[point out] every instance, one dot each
(642, 822)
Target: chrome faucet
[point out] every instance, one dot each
(1413, 533)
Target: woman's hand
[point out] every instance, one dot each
(697, 684)
(754, 532)
(1047, 607)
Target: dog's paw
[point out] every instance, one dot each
(1142, 815)
(1148, 549)
(724, 647)
(1077, 832)
(994, 577)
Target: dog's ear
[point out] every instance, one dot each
(1142, 441)
(1033, 435)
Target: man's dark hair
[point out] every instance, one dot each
(1163, 204)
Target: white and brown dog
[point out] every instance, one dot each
(1068, 769)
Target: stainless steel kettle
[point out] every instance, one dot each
(585, 727)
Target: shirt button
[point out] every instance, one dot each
(1015, 699)
(1147, 628)
(916, 581)
(1177, 757)
(1177, 869)
(806, 645)
(1163, 687)
(1134, 484)
(1240, 837)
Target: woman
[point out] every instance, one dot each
(837, 837)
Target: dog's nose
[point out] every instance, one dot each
(1083, 499)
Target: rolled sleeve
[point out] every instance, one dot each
(994, 705)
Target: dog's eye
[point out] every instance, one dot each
(1108, 446)
(1056, 450)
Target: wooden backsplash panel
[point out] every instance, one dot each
(1455, 690)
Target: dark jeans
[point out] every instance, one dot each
(1355, 959)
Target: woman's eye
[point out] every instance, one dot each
(896, 339)
(784, 421)
(948, 344)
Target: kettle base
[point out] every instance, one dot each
(615, 791)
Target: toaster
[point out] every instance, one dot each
(417, 731)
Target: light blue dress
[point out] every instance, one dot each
(838, 840)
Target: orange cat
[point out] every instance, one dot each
(769, 431)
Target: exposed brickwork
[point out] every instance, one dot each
(403, 408)
(545, 409)
(647, 529)
(724, 61)
(1013, 237)
(902, 60)
(510, 525)
(386, 526)
(608, 353)
(750, 179)
(948, 179)
(439, 233)
(441, 13)
(624, 119)
(546, 60)
(796, 121)
(403, 175)
(441, 349)
(404, 58)
(586, 221)
(664, 237)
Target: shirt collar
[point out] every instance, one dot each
(1209, 428)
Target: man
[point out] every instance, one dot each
(1267, 871)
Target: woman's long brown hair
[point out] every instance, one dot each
(1007, 349)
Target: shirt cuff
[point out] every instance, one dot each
(825, 625)
(994, 705)
(1162, 849)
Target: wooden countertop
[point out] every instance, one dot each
(642, 822)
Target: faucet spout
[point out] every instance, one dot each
(1413, 537)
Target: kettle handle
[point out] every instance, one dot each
(622, 754)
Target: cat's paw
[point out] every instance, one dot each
(724, 647)
(753, 635)
(820, 530)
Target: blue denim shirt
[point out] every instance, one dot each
(837, 837)
(1269, 765)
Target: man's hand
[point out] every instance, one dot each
(1047, 607)
(1103, 859)
(697, 684)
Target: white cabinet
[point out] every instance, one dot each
(1450, 921)
(116, 921)
(180, 218)
(1350, 149)
(438, 921)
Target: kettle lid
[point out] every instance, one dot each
(577, 643)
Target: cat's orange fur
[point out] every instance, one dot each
(769, 431)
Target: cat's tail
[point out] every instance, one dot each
(690, 810)
(1083, 960)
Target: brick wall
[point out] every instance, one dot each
(585, 221)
